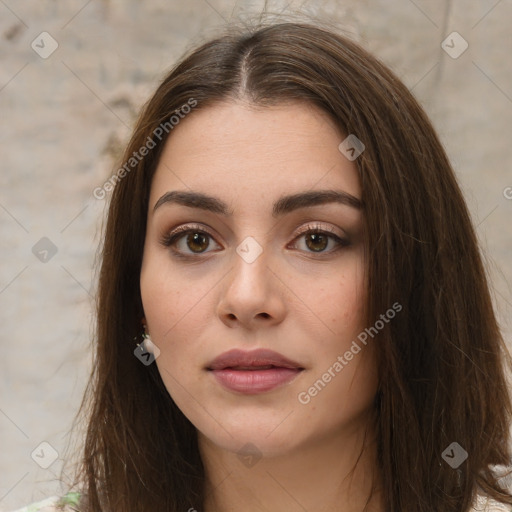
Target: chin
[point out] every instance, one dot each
(248, 442)
(266, 435)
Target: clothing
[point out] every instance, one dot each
(487, 505)
(70, 503)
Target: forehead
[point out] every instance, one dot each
(248, 154)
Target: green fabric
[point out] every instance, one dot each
(54, 504)
(71, 498)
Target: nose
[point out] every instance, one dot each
(252, 295)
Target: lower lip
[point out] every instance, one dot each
(252, 382)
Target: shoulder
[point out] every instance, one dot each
(483, 504)
(66, 503)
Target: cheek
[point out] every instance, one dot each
(341, 305)
(343, 383)
(330, 402)
(167, 296)
(343, 300)
(169, 316)
(176, 314)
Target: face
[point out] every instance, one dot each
(253, 281)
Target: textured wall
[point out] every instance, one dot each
(63, 117)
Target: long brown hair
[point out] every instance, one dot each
(441, 361)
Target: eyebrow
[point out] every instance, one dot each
(282, 206)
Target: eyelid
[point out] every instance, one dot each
(318, 227)
(189, 227)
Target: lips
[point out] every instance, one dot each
(260, 359)
(253, 372)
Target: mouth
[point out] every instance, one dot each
(253, 372)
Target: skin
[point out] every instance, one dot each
(303, 304)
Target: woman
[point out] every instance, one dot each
(293, 312)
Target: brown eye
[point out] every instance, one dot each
(320, 241)
(317, 242)
(189, 241)
(197, 242)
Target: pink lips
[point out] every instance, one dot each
(253, 372)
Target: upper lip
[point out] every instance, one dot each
(251, 359)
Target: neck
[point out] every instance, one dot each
(336, 473)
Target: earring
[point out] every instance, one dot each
(148, 345)
(141, 338)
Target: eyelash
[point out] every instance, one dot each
(170, 239)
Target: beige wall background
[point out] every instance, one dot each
(62, 116)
